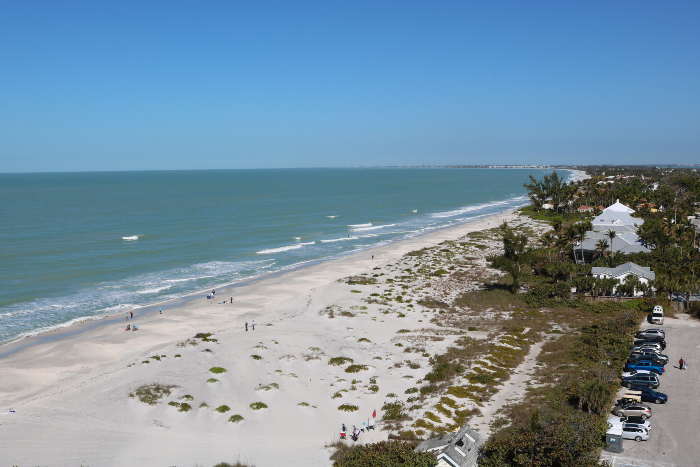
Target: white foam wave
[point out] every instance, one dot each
(154, 290)
(133, 237)
(297, 238)
(331, 217)
(283, 248)
(415, 210)
(339, 239)
(467, 209)
(359, 225)
(374, 227)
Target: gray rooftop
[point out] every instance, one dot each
(627, 268)
(457, 449)
(624, 242)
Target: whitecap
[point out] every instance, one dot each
(339, 239)
(283, 248)
(331, 217)
(359, 225)
(374, 227)
(133, 237)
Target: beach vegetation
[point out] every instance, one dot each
(348, 408)
(394, 411)
(340, 361)
(382, 453)
(177, 355)
(356, 291)
(223, 408)
(217, 369)
(258, 405)
(392, 395)
(187, 342)
(146, 362)
(359, 280)
(411, 390)
(267, 387)
(356, 368)
(185, 407)
(155, 357)
(373, 388)
(347, 314)
(235, 418)
(151, 393)
(203, 405)
(212, 380)
(363, 339)
(337, 395)
(402, 331)
(256, 357)
(303, 404)
(187, 398)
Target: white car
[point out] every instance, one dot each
(630, 420)
(635, 372)
(635, 433)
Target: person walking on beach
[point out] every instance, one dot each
(160, 310)
(685, 364)
(126, 315)
(253, 325)
(231, 299)
(132, 315)
(246, 325)
(680, 363)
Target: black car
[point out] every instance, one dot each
(652, 340)
(654, 358)
(641, 380)
(649, 395)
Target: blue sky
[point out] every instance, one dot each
(207, 85)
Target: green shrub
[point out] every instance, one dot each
(356, 368)
(217, 369)
(356, 291)
(403, 331)
(363, 339)
(384, 453)
(374, 388)
(187, 398)
(340, 361)
(348, 408)
(235, 418)
(212, 380)
(185, 407)
(151, 393)
(177, 355)
(337, 395)
(411, 390)
(393, 411)
(303, 404)
(223, 408)
(256, 357)
(258, 405)
(471, 328)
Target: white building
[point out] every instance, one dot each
(621, 272)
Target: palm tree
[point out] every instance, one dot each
(601, 248)
(547, 241)
(611, 234)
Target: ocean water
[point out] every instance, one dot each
(78, 246)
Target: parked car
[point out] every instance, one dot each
(648, 355)
(651, 332)
(651, 340)
(626, 409)
(657, 315)
(647, 365)
(631, 373)
(649, 395)
(631, 419)
(642, 381)
(647, 346)
(634, 432)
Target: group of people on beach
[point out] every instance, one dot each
(355, 433)
(128, 326)
(683, 364)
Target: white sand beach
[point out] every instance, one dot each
(72, 396)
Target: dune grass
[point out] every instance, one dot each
(151, 393)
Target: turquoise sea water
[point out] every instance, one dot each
(76, 246)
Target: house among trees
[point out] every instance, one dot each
(623, 272)
(614, 231)
(585, 208)
(457, 449)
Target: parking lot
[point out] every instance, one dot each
(674, 438)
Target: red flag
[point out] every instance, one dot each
(374, 413)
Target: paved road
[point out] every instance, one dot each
(675, 426)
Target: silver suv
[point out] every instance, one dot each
(632, 408)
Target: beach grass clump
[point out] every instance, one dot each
(377, 358)
(315, 349)
(356, 291)
(363, 339)
(402, 331)
(347, 314)
(223, 408)
(393, 411)
(258, 405)
(187, 398)
(146, 362)
(267, 387)
(392, 395)
(373, 388)
(411, 390)
(340, 361)
(185, 407)
(212, 380)
(356, 368)
(205, 337)
(348, 408)
(187, 342)
(360, 280)
(256, 357)
(235, 418)
(203, 405)
(177, 355)
(155, 357)
(151, 393)
(217, 369)
(398, 344)
(337, 395)
(303, 404)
